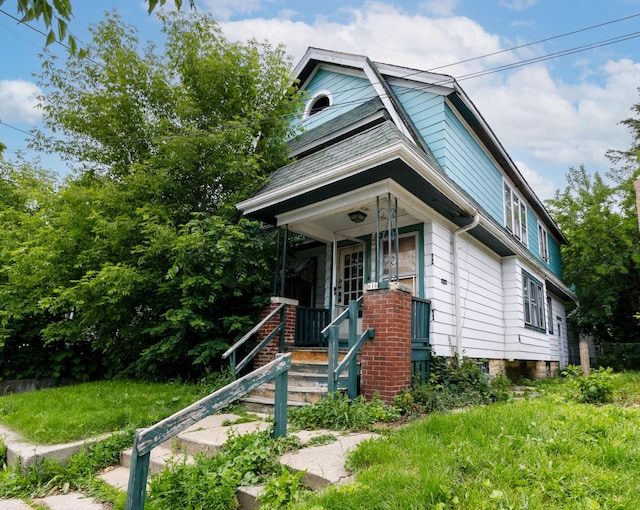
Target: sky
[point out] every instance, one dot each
(573, 65)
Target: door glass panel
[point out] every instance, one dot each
(351, 277)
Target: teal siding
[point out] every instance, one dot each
(426, 110)
(460, 156)
(555, 258)
(348, 92)
(469, 166)
(532, 233)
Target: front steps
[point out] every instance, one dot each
(307, 382)
(324, 465)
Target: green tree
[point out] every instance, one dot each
(142, 255)
(602, 261)
(57, 14)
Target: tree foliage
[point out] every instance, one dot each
(57, 14)
(139, 264)
(602, 261)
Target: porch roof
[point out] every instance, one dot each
(374, 155)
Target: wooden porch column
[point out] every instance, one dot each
(386, 358)
(270, 350)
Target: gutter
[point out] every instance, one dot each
(456, 282)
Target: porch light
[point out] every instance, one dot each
(357, 216)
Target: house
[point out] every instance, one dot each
(399, 190)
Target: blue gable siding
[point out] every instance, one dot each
(555, 258)
(426, 110)
(532, 233)
(348, 92)
(469, 166)
(455, 149)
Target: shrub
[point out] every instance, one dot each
(450, 385)
(595, 388)
(338, 412)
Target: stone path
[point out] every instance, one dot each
(324, 465)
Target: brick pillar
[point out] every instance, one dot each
(386, 358)
(270, 350)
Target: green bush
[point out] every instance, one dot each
(337, 411)
(595, 388)
(451, 385)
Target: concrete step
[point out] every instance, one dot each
(70, 501)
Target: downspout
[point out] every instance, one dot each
(456, 282)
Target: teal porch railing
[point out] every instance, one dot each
(309, 325)
(349, 361)
(146, 439)
(279, 329)
(420, 346)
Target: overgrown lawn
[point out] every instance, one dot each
(60, 415)
(543, 453)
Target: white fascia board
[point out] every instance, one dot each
(330, 57)
(335, 205)
(416, 75)
(436, 88)
(382, 94)
(312, 231)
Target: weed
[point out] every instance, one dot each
(212, 482)
(595, 388)
(321, 440)
(282, 491)
(3, 453)
(338, 412)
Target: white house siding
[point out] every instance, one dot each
(558, 341)
(439, 286)
(521, 342)
(481, 300)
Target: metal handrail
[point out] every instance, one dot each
(340, 318)
(231, 351)
(246, 337)
(146, 439)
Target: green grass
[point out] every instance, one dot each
(86, 410)
(544, 453)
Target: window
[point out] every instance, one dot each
(533, 302)
(515, 215)
(523, 223)
(550, 315)
(508, 214)
(543, 248)
(406, 262)
(319, 102)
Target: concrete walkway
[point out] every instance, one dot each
(324, 465)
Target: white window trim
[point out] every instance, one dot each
(534, 304)
(515, 214)
(543, 243)
(314, 98)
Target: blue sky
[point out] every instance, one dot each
(549, 115)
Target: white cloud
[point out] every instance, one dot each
(517, 5)
(542, 121)
(440, 7)
(544, 188)
(18, 101)
(381, 31)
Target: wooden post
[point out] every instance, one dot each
(585, 361)
(332, 362)
(280, 406)
(137, 488)
(352, 380)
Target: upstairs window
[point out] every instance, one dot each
(543, 247)
(319, 102)
(515, 215)
(533, 302)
